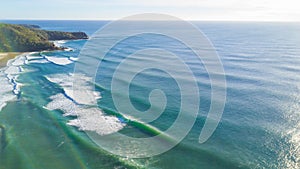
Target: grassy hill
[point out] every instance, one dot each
(21, 38)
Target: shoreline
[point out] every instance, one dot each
(5, 57)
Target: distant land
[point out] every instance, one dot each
(29, 38)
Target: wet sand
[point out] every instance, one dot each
(4, 57)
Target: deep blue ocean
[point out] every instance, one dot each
(260, 125)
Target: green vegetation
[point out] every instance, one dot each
(22, 38)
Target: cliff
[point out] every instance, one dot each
(28, 38)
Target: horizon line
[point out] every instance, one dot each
(109, 20)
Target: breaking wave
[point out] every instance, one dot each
(84, 107)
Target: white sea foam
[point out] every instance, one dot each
(73, 58)
(69, 49)
(8, 80)
(59, 43)
(14, 66)
(59, 60)
(88, 119)
(5, 85)
(29, 57)
(5, 91)
(12, 70)
(82, 93)
(17, 88)
(35, 59)
(5, 97)
(93, 119)
(41, 61)
(60, 102)
(19, 61)
(64, 80)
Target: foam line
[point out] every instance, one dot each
(89, 116)
(83, 93)
(41, 61)
(73, 58)
(59, 43)
(88, 119)
(10, 88)
(58, 60)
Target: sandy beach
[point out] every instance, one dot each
(4, 57)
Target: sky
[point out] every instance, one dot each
(213, 10)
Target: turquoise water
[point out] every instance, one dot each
(259, 127)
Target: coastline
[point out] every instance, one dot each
(9, 71)
(6, 56)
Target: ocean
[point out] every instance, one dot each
(259, 128)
